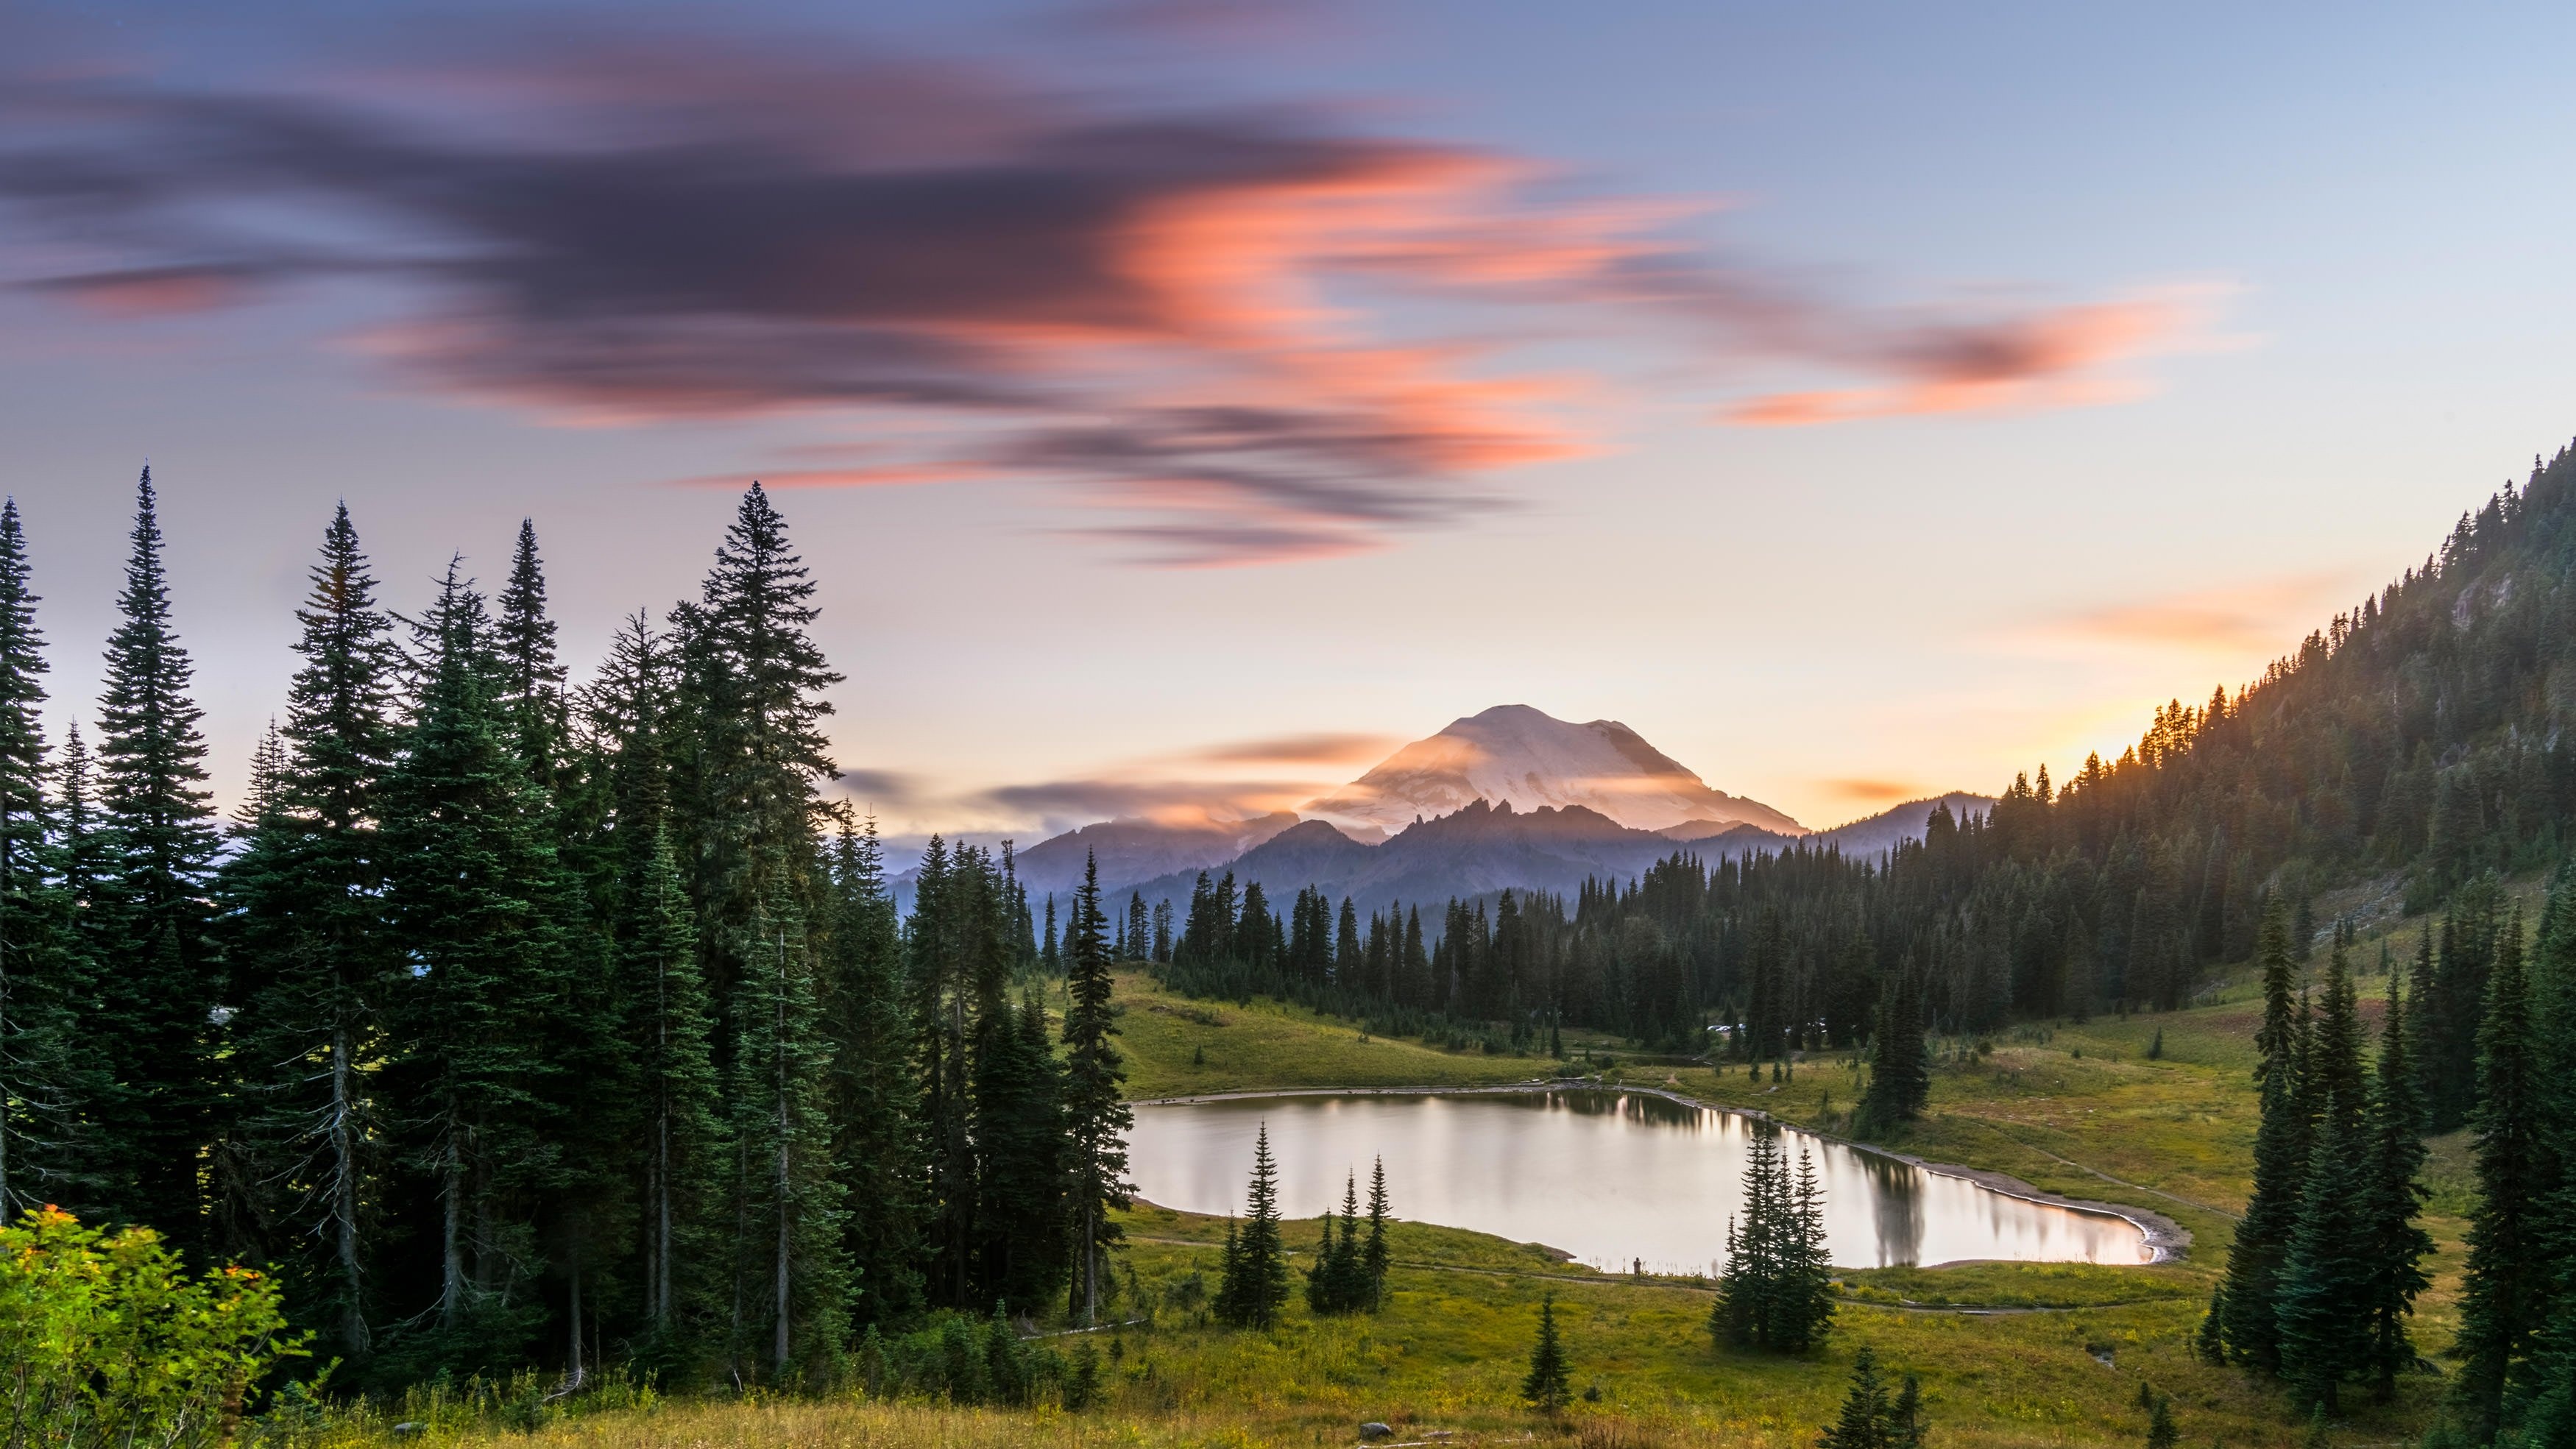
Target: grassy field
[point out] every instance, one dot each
(2151, 1111)
(1177, 1047)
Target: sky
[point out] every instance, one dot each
(1182, 403)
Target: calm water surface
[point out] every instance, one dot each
(1608, 1176)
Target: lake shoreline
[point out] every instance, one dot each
(2164, 1238)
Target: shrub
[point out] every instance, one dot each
(103, 1341)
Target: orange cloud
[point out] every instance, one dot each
(1234, 331)
(2048, 360)
(1874, 790)
(2245, 621)
(1306, 749)
(152, 292)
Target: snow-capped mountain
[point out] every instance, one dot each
(1515, 755)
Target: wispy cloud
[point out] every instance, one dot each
(1205, 322)
(881, 789)
(1306, 749)
(1065, 804)
(1219, 783)
(2249, 621)
(2063, 358)
(1874, 791)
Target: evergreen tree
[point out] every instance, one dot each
(2210, 1343)
(1023, 1159)
(1255, 1284)
(1870, 1419)
(791, 1283)
(2393, 1198)
(748, 757)
(2281, 1152)
(532, 693)
(683, 1151)
(310, 950)
(2544, 1385)
(1547, 1387)
(2323, 1305)
(2161, 1430)
(1096, 1113)
(1339, 1280)
(1347, 960)
(1322, 1281)
(88, 858)
(941, 940)
(51, 1081)
(1905, 1422)
(1742, 1314)
(1776, 1291)
(747, 743)
(1376, 1254)
(1900, 1078)
(2500, 1301)
(161, 979)
(1806, 1289)
(474, 891)
(876, 1105)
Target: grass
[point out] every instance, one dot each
(1447, 1352)
(2010, 1354)
(1177, 1047)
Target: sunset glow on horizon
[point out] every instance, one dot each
(1185, 405)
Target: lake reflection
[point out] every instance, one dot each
(1608, 1176)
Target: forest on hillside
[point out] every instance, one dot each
(2420, 733)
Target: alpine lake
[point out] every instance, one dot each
(1619, 1180)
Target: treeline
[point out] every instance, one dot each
(513, 1022)
(2423, 729)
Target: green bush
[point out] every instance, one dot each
(104, 1342)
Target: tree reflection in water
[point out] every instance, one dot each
(1608, 1177)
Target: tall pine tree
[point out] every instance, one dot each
(51, 1078)
(162, 979)
(683, 1149)
(2395, 1244)
(876, 1103)
(1096, 1113)
(475, 894)
(1255, 1285)
(791, 1285)
(2281, 1146)
(311, 952)
(2502, 1297)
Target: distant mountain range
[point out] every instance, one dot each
(1483, 848)
(1509, 798)
(1135, 850)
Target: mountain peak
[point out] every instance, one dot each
(1515, 756)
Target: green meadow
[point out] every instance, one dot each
(2151, 1111)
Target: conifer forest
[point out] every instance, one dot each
(514, 1019)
